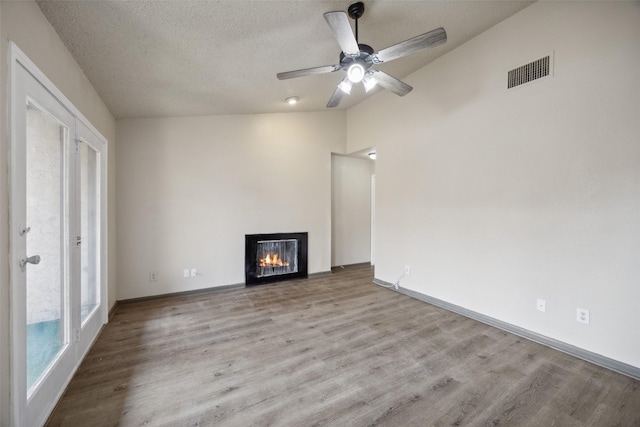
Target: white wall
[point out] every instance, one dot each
(4, 264)
(189, 189)
(22, 22)
(350, 210)
(496, 198)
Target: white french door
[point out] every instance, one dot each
(57, 241)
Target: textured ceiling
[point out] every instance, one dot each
(151, 58)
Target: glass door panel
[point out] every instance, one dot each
(88, 240)
(46, 280)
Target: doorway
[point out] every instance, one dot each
(351, 209)
(57, 240)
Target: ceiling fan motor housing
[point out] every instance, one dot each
(364, 58)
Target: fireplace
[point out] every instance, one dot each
(275, 257)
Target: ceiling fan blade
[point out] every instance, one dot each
(430, 39)
(335, 99)
(308, 72)
(391, 83)
(341, 28)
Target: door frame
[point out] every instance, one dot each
(79, 341)
(373, 219)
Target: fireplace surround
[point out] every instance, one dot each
(275, 257)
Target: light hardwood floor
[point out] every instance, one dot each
(334, 350)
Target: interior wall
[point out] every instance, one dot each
(23, 23)
(350, 210)
(4, 263)
(189, 189)
(496, 198)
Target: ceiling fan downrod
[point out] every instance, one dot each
(356, 10)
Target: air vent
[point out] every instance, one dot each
(529, 72)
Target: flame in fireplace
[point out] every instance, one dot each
(272, 261)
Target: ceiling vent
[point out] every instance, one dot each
(527, 73)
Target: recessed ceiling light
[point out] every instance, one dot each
(293, 100)
(372, 155)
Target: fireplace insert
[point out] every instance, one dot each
(275, 257)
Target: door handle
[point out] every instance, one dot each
(31, 260)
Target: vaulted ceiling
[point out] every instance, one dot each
(161, 58)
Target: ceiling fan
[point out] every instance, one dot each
(358, 59)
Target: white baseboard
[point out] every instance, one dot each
(597, 359)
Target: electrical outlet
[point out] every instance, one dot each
(194, 272)
(541, 305)
(582, 315)
(185, 272)
(153, 276)
(407, 269)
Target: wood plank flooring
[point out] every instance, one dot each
(334, 350)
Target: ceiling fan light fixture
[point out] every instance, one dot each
(355, 72)
(292, 100)
(345, 86)
(369, 82)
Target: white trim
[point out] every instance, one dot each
(373, 220)
(16, 364)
